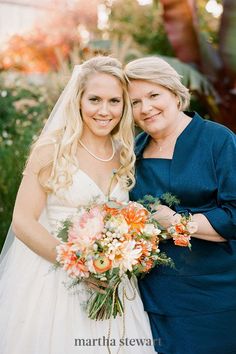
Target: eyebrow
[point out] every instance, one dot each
(151, 92)
(94, 95)
(147, 94)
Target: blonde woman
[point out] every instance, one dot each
(88, 136)
(192, 307)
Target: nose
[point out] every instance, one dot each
(103, 109)
(146, 106)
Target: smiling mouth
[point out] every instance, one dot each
(152, 117)
(103, 122)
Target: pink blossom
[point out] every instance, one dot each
(86, 228)
(74, 266)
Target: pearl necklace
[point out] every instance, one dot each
(99, 158)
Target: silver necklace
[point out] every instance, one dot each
(99, 158)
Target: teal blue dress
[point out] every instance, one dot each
(192, 308)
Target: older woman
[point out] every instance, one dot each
(192, 308)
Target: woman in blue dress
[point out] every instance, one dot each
(192, 307)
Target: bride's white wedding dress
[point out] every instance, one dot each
(40, 315)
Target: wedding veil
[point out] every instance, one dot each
(55, 121)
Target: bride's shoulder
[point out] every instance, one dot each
(41, 156)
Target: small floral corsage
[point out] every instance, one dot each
(181, 230)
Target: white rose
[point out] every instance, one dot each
(192, 227)
(150, 229)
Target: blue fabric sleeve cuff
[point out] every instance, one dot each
(221, 222)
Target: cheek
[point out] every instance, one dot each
(117, 112)
(87, 109)
(136, 114)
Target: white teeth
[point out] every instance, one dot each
(102, 123)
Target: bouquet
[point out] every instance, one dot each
(107, 242)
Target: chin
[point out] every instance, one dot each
(151, 130)
(103, 133)
(154, 128)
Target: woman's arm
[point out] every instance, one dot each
(30, 201)
(205, 230)
(167, 216)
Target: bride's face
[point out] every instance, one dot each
(101, 104)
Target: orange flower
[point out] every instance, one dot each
(111, 211)
(182, 240)
(128, 237)
(149, 264)
(80, 265)
(180, 228)
(65, 253)
(102, 264)
(135, 217)
(145, 250)
(154, 241)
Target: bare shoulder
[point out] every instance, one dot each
(41, 156)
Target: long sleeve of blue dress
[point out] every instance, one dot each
(223, 216)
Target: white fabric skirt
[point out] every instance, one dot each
(40, 315)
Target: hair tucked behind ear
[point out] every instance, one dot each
(62, 142)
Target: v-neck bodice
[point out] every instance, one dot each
(82, 191)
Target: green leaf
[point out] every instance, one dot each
(170, 199)
(63, 231)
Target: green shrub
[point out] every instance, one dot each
(23, 110)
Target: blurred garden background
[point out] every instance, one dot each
(41, 41)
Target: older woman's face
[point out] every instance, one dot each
(155, 108)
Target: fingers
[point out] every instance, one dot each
(165, 216)
(162, 207)
(96, 288)
(96, 285)
(97, 282)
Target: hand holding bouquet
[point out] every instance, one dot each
(177, 226)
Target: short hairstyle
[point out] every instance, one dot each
(158, 71)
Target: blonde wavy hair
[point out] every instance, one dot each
(63, 142)
(158, 71)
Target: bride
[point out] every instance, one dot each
(87, 136)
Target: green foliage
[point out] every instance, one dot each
(151, 203)
(142, 23)
(63, 231)
(23, 110)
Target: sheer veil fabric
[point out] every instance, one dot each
(55, 121)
